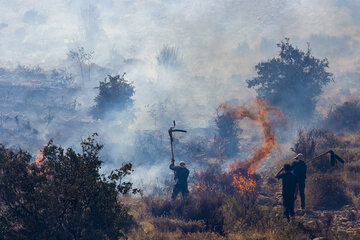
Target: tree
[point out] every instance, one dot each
(83, 58)
(292, 81)
(227, 134)
(168, 57)
(62, 77)
(113, 95)
(62, 195)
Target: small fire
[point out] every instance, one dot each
(38, 161)
(39, 157)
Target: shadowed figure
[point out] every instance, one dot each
(299, 168)
(289, 182)
(181, 176)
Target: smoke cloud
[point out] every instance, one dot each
(183, 57)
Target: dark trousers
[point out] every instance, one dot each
(288, 202)
(301, 189)
(179, 188)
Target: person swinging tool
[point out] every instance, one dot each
(181, 172)
(181, 176)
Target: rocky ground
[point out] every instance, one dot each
(346, 220)
(343, 221)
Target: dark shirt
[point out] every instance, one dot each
(181, 174)
(299, 167)
(289, 182)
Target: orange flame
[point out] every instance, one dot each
(38, 160)
(261, 118)
(39, 157)
(243, 183)
(241, 174)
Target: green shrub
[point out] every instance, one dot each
(63, 196)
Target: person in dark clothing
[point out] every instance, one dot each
(181, 176)
(299, 168)
(289, 181)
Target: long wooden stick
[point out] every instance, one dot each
(333, 157)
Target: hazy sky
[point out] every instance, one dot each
(41, 32)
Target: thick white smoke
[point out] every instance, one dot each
(217, 45)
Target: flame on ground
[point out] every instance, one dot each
(243, 183)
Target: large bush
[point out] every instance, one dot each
(62, 195)
(115, 94)
(326, 191)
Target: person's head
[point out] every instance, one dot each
(287, 167)
(298, 156)
(182, 164)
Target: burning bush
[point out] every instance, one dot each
(70, 201)
(238, 181)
